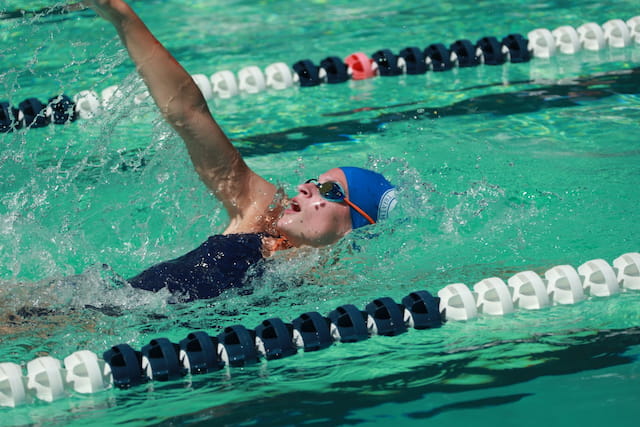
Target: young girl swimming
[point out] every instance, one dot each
(261, 220)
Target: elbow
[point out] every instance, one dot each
(185, 104)
(183, 116)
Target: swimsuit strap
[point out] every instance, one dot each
(276, 243)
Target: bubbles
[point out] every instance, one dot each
(90, 310)
(99, 287)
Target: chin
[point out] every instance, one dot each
(298, 235)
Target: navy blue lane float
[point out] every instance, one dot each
(465, 53)
(313, 330)
(438, 57)
(414, 60)
(126, 366)
(32, 113)
(198, 351)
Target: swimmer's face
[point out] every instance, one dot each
(312, 220)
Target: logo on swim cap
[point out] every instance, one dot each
(388, 201)
(371, 192)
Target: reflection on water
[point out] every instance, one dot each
(540, 97)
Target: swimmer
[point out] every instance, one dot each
(261, 219)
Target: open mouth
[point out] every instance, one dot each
(294, 206)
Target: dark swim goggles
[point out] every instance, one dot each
(333, 192)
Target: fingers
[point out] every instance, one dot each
(111, 10)
(73, 7)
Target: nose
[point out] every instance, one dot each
(306, 189)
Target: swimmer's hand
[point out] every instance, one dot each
(113, 11)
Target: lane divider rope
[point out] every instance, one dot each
(514, 48)
(48, 379)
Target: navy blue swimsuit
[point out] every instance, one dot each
(220, 263)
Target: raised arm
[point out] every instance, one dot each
(245, 195)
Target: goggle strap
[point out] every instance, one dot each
(360, 211)
(347, 201)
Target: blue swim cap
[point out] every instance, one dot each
(371, 192)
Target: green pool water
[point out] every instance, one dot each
(499, 170)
